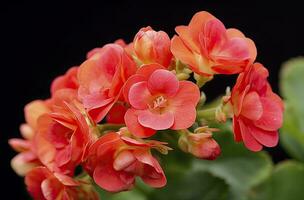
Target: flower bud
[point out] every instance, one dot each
(200, 144)
(152, 47)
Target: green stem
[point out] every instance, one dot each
(109, 127)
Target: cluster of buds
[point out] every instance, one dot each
(101, 114)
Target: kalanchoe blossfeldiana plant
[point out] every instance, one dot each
(100, 116)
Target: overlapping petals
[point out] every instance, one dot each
(209, 48)
(152, 47)
(101, 78)
(115, 161)
(63, 135)
(159, 101)
(258, 112)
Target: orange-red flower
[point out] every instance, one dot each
(42, 184)
(68, 80)
(115, 161)
(152, 46)
(63, 135)
(101, 78)
(257, 110)
(209, 48)
(27, 158)
(159, 101)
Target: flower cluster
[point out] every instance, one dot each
(95, 127)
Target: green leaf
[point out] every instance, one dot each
(291, 85)
(239, 167)
(191, 185)
(286, 182)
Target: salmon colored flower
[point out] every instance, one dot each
(27, 158)
(42, 184)
(101, 78)
(152, 47)
(115, 161)
(257, 110)
(116, 114)
(63, 135)
(209, 48)
(68, 80)
(200, 144)
(159, 101)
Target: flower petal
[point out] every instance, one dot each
(155, 121)
(184, 117)
(131, 120)
(250, 142)
(266, 138)
(164, 82)
(252, 107)
(187, 94)
(107, 178)
(139, 95)
(272, 117)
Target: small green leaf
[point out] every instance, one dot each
(291, 85)
(286, 182)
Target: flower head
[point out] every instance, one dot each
(101, 78)
(63, 135)
(257, 110)
(115, 161)
(209, 48)
(159, 101)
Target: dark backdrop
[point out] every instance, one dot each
(42, 40)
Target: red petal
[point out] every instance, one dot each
(236, 130)
(109, 179)
(272, 117)
(252, 107)
(33, 181)
(153, 174)
(250, 142)
(266, 138)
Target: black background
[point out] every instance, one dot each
(42, 40)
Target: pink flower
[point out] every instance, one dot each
(63, 135)
(159, 101)
(258, 112)
(27, 158)
(42, 184)
(101, 78)
(209, 48)
(152, 47)
(68, 80)
(115, 161)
